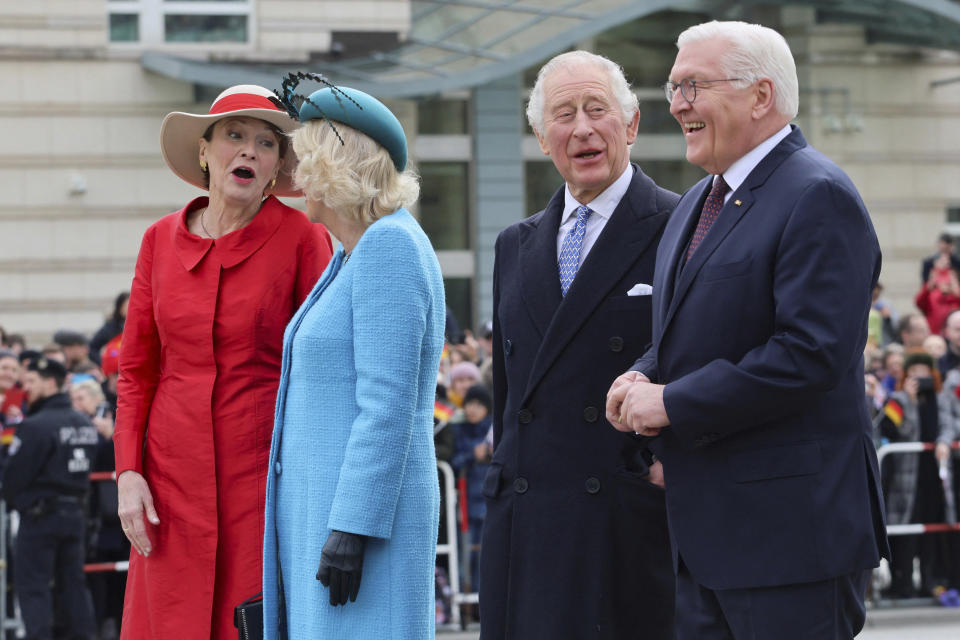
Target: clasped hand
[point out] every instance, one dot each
(636, 404)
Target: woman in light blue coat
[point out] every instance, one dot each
(352, 491)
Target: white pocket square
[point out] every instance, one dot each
(640, 289)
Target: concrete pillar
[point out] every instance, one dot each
(498, 176)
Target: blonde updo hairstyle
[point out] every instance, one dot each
(356, 178)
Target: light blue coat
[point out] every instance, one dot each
(353, 441)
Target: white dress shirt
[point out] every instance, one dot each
(739, 170)
(602, 206)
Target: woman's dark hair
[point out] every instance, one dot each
(122, 297)
(281, 138)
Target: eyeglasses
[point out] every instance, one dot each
(688, 88)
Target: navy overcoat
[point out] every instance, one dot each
(575, 543)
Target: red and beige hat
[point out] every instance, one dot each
(180, 133)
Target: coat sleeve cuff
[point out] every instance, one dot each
(128, 450)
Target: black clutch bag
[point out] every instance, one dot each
(248, 618)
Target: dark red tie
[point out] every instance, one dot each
(711, 209)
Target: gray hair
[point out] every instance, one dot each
(756, 52)
(618, 84)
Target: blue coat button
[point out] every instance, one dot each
(520, 485)
(277, 467)
(508, 347)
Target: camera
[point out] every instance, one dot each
(925, 385)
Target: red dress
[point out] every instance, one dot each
(199, 369)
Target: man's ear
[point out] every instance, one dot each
(543, 143)
(764, 99)
(633, 126)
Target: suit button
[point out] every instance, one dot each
(590, 414)
(508, 347)
(525, 416)
(520, 485)
(277, 467)
(592, 485)
(616, 344)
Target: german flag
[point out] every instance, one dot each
(6, 436)
(894, 412)
(442, 411)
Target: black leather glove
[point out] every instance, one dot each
(341, 564)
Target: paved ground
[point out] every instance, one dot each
(913, 623)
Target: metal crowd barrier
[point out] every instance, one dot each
(448, 547)
(913, 529)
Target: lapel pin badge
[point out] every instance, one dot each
(738, 202)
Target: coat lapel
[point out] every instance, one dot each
(736, 207)
(628, 233)
(674, 243)
(540, 279)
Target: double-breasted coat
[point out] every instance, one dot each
(575, 542)
(199, 368)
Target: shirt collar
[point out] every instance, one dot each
(739, 170)
(604, 204)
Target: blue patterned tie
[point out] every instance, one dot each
(569, 261)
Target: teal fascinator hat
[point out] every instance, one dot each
(361, 111)
(351, 107)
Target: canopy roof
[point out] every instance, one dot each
(459, 44)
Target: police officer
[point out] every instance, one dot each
(45, 480)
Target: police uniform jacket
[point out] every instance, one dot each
(52, 454)
(574, 533)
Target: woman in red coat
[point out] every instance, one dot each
(215, 285)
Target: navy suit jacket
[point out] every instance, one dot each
(770, 467)
(573, 530)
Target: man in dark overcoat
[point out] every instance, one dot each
(575, 542)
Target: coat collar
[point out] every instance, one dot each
(631, 229)
(232, 248)
(737, 205)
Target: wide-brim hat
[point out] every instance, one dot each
(180, 133)
(364, 113)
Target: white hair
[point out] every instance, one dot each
(756, 52)
(627, 100)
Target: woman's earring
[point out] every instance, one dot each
(203, 166)
(273, 183)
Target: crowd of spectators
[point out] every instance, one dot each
(93, 368)
(463, 438)
(912, 383)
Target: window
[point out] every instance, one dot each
(180, 23)
(187, 28)
(459, 294)
(443, 204)
(542, 180)
(441, 116)
(124, 27)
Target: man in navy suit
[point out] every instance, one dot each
(754, 381)
(576, 524)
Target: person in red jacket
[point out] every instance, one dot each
(940, 294)
(214, 287)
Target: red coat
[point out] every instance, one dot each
(199, 369)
